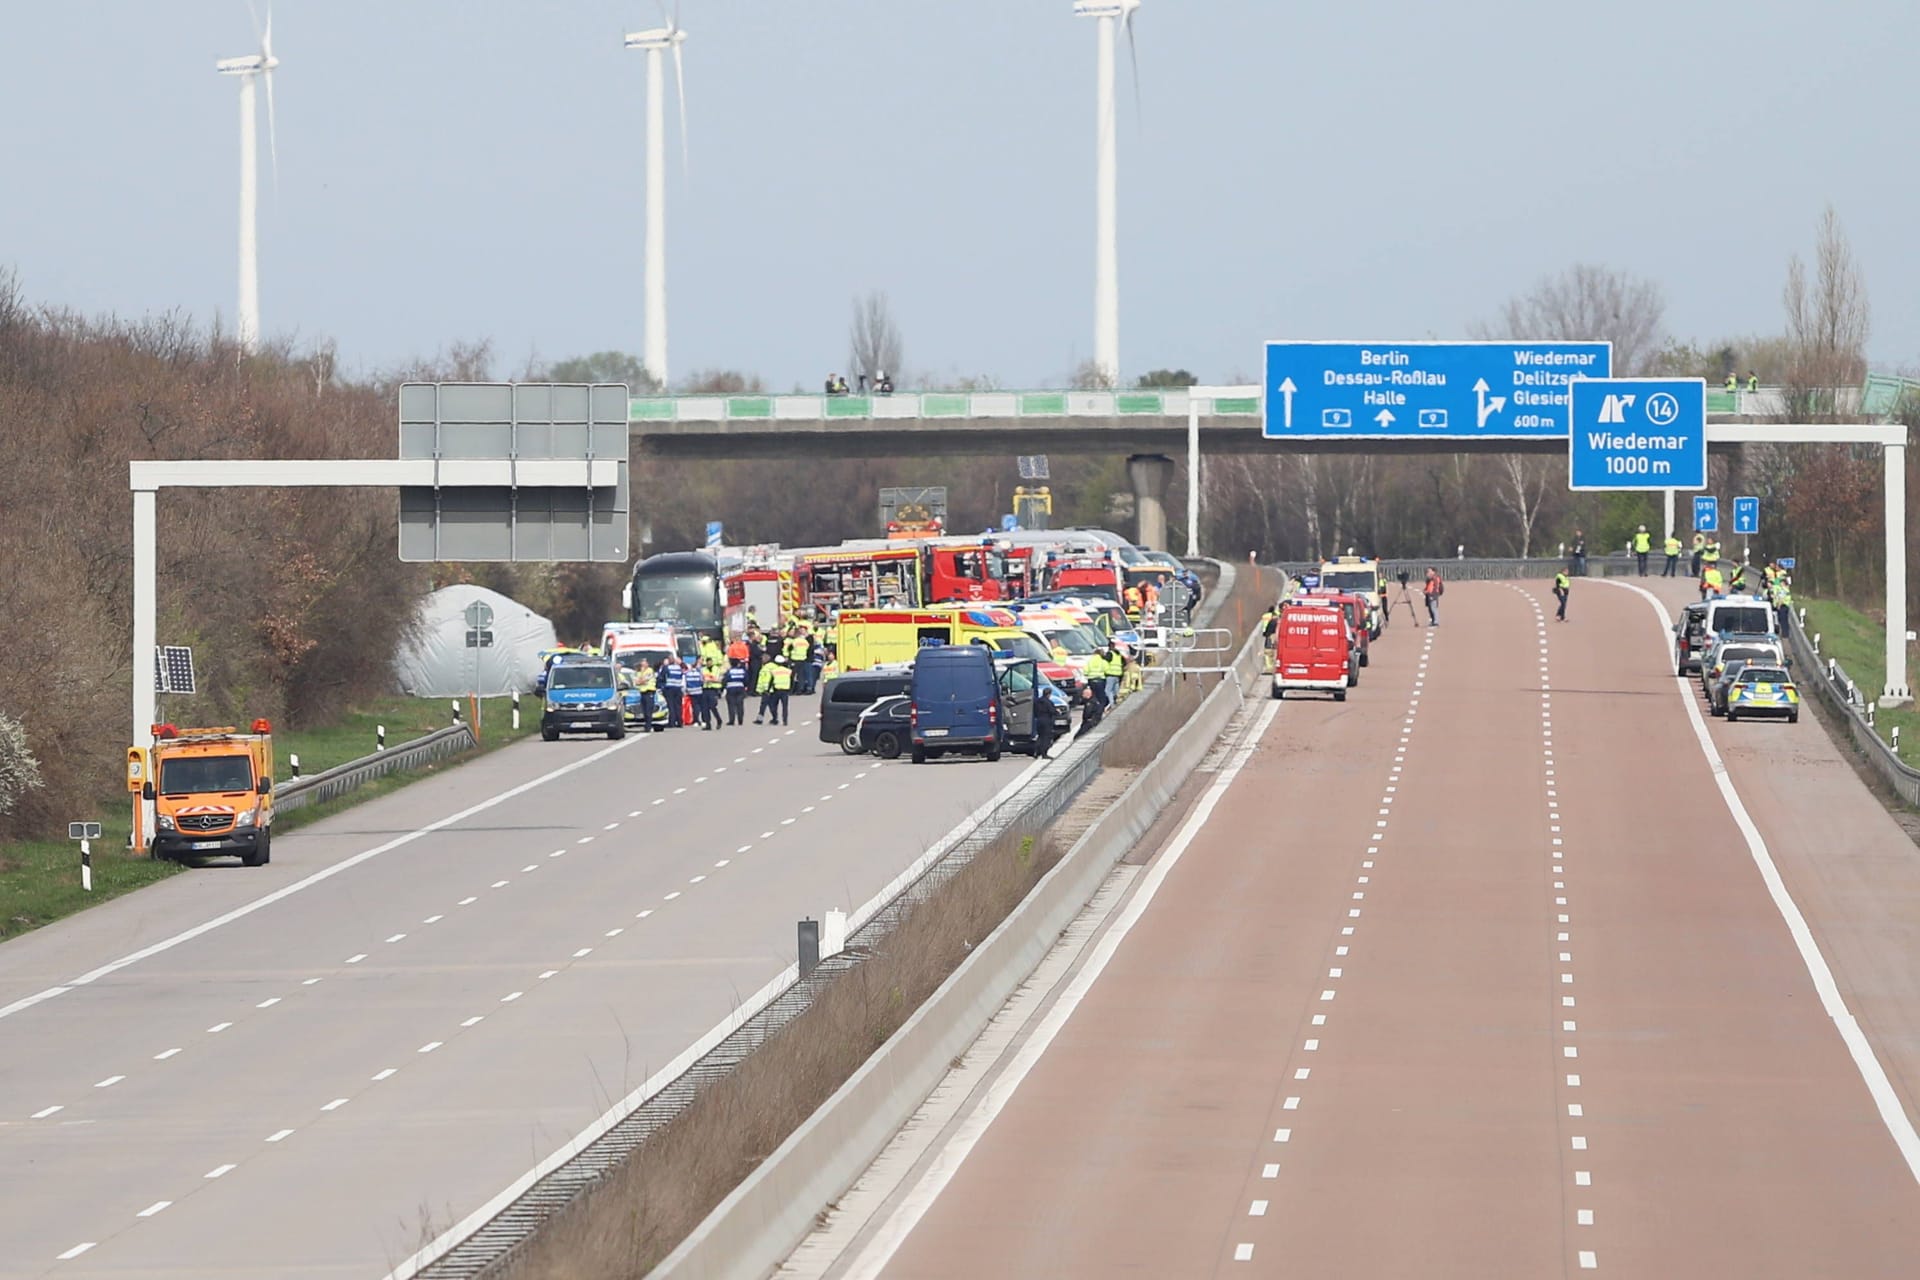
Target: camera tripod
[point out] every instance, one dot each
(1406, 598)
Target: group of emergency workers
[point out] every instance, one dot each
(770, 665)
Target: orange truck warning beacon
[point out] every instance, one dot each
(212, 792)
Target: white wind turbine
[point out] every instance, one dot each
(248, 69)
(1106, 231)
(656, 41)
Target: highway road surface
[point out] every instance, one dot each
(1478, 974)
(312, 1068)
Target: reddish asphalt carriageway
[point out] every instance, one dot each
(1476, 974)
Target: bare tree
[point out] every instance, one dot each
(1828, 320)
(873, 338)
(1089, 376)
(1589, 303)
(1522, 490)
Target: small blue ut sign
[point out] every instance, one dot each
(1746, 515)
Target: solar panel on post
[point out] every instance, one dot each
(173, 669)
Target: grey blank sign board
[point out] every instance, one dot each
(525, 421)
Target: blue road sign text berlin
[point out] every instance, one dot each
(1746, 515)
(1448, 391)
(1638, 433)
(1706, 514)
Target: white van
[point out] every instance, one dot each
(1739, 615)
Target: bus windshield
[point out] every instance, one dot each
(687, 599)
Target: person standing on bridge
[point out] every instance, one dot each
(1562, 588)
(1432, 591)
(1673, 557)
(1699, 553)
(1578, 552)
(1642, 547)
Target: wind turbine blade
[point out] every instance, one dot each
(680, 85)
(1133, 54)
(254, 16)
(266, 36)
(666, 19)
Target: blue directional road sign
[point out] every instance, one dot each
(716, 535)
(1638, 433)
(1443, 391)
(1746, 515)
(1706, 514)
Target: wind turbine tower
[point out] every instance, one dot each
(1106, 232)
(248, 69)
(656, 41)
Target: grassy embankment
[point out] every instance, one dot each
(40, 879)
(1859, 644)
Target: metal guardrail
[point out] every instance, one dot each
(330, 784)
(489, 1250)
(1489, 569)
(1840, 693)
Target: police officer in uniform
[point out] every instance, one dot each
(1562, 588)
(1673, 557)
(673, 686)
(1642, 545)
(736, 687)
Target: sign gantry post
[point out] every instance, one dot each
(488, 471)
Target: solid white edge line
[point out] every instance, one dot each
(967, 1134)
(1892, 1114)
(325, 873)
(752, 1005)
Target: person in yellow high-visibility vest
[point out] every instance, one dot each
(1712, 582)
(1673, 557)
(1642, 547)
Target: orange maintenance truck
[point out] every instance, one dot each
(212, 792)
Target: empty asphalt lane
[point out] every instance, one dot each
(1566, 1023)
(385, 1049)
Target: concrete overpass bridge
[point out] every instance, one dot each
(1149, 427)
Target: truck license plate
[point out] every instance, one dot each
(206, 844)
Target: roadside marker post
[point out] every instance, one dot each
(86, 833)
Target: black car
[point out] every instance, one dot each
(843, 698)
(1690, 638)
(884, 727)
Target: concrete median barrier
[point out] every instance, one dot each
(767, 1215)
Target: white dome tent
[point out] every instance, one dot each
(436, 661)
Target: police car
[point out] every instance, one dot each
(1763, 691)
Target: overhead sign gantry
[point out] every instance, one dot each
(1448, 392)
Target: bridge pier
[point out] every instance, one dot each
(1150, 473)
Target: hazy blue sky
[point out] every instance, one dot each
(1334, 169)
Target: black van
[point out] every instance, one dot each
(843, 698)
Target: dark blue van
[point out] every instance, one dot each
(956, 702)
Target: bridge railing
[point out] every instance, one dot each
(924, 405)
(960, 405)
